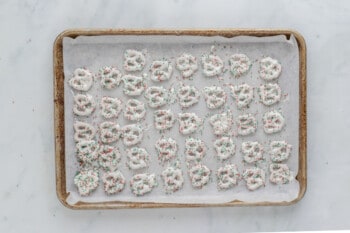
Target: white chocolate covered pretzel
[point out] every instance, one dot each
(132, 134)
(87, 151)
(137, 158)
(110, 77)
(227, 176)
(224, 148)
(214, 96)
(86, 181)
(84, 105)
(187, 65)
(135, 110)
(273, 122)
(141, 184)
(270, 69)
(110, 107)
(254, 177)
(173, 179)
(156, 96)
(133, 85)
(269, 93)
(109, 157)
(83, 131)
(221, 122)
(187, 96)
(239, 64)
(243, 95)
(161, 70)
(280, 174)
(252, 152)
(195, 149)
(199, 175)
(134, 60)
(166, 148)
(109, 132)
(246, 124)
(164, 119)
(113, 182)
(279, 151)
(82, 79)
(212, 65)
(189, 123)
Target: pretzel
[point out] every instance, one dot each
(239, 64)
(109, 132)
(134, 60)
(83, 131)
(221, 122)
(273, 122)
(254, 177)
(224, 148)
(195, 149)
(200, 175)
(141, 184)
(189, 123)
(132, 134)
(111, 77)
(280, 174)
(87, 151)
(279, 151)
(110, 107)
(134, 110)
(113, 182)
(163, 119)
(227, 176)
(86, 181)
(133, 85)
(161, 70)
(173, 179)
(269, 93)
(187, 65)
(82, 79)
(166, 148)
(109, 157)
(243, 95)
(156, 96)
(188, 96)
(270, 69)
(214, 96)
(138, 158)
(212, 65)
(252, 152)
(84, 105)
(246, 124)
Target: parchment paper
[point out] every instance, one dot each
(95, 52)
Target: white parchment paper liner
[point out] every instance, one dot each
(94, 52)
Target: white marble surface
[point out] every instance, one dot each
(28, 200)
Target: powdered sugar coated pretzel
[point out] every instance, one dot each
(187, 96)
(113, 182)
(84, 105)
(111, 77)
(137, 158)
(270, 69)
(200, 175)
(166, 148)
(109, 132)
(187, 65)
(109, 157)
(156, 96)
(141, 184)
(212, 65)
(161, 70)
(279, 151)
(134, 110)
(132, 134)
(83, 131)
(227, 176)
(189, 123)
(86, 181)
(110, 107)
(246, 124)
(82, 79)
(214, 96)
(280, 174)
(133, 85)
(134, 60)
(270, 93)
(254, 177)
(221, 122)
(173, 179)
(239, 64)
(164, 119)
(87, 151)
(273, 122)
(243, 95)
(195, 149)
(252, 152)
(224, 148)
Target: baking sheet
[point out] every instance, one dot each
(93, 52)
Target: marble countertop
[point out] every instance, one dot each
(27, 194)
